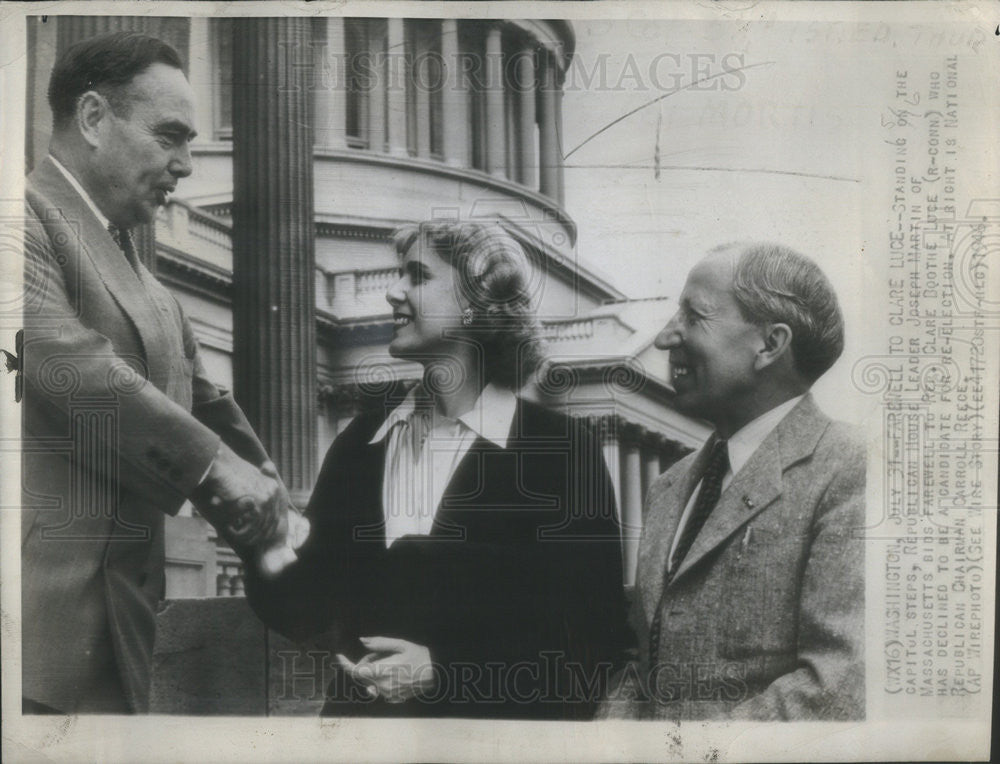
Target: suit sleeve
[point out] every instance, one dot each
(314, 597)
(216, 408)
(829, 681)
(161, 450)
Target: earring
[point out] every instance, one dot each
(467, 316)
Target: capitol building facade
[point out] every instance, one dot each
(279, 247)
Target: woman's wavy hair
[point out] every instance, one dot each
(494, 276)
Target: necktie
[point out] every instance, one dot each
(708, 497)
(123, 238)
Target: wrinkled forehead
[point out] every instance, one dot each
(162, 90)
(713, 274)
(724, 257)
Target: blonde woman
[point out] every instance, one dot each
(465, 556)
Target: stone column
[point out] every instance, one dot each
(496, 148)
(421, 79)
(42, 46)
(176, 31)
(200, 76)
(549, 160)
(650, 465)
(396, 76)
(526, 160)
(631, 511)
(331, 85)
(377, 95)
(454, 99)
(274, 330)
(608, 429)
(560, 194)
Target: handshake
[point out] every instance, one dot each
(251, 510)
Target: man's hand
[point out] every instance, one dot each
(292, 531)
(395, 669)
(239, 500)
(251, 509)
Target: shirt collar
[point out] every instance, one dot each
(399, 414)
(749, 438)
(490, 417)
(80, 190)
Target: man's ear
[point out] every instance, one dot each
(91, 109)
(777, 343)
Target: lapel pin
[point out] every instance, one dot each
(748, 501)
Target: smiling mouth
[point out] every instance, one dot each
(678, 371)
(399, 321)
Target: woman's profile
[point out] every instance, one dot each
(465, 557)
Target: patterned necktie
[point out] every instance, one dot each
(708, 497)
(123, 238)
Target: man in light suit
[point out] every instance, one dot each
(749, 599)
(120, 424)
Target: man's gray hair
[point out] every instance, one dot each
(773, 283)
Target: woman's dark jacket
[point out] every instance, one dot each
(517, 591)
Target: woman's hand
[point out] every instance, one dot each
(394, 669)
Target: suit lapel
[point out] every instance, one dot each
(750, 492)
(469, 479)
(659, 529)
(108, 261)
(759, 483)
(365, 475)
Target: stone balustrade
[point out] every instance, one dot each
(562, 331)
(351, 294)
(190, 229)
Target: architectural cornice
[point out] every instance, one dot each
(217, 205)
(368, 331)
(552, 209)
(177, 268)
(555, 36)
(354, 229)
(621, 376)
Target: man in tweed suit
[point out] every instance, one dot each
(749, 599)
(121, 425)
